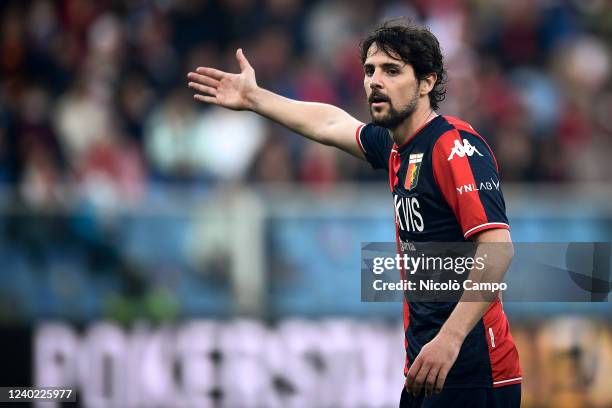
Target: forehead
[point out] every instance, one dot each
(377, 54)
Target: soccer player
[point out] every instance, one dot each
(445, 187)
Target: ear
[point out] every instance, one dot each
(427, 83)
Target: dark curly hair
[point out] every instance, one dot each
(415, 45)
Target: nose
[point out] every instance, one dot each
(375, 80)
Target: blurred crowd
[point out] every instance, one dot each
(93, 95)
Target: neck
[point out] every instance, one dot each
(409, 127)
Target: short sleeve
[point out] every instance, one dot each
(466, 172)
(376, 144)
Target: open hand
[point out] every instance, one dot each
(231, 91)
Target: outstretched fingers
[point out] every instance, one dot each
(205, 84)
(203, 88)
(211, 72)
(205, 98)
(203, 79)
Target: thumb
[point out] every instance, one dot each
(244, 63)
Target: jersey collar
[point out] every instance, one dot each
(423, 130)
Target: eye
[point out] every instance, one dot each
(393, 71)
(369, 70)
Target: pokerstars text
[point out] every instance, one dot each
(412, 264)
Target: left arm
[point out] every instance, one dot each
(431, 366)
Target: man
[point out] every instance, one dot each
(464, 353)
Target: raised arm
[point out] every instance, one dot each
(320, 122)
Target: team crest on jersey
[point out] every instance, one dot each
(414, 166)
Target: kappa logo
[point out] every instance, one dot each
(463, 149)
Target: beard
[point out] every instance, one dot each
(395, 117)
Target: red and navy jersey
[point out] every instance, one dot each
(445, 187)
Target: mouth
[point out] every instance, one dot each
(378, 101)
(378, 104)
